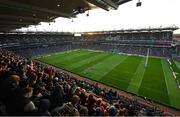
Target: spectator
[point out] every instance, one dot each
(43, 109)
(57, 96)
(83, 111)
(90, 105)
(83, 97)
(99, 107)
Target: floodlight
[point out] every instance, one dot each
(139, 3)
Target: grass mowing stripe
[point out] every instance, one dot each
(153, 84)
(93, 61)
(174, 91)
(121, 75)
(84, 61)
(167, 86)
(74, 59)
(79, 58)
(103, 67)
(55, 59)
(60, 54)
(136, 80)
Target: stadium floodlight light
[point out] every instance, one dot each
(77, 34)
(139, 3)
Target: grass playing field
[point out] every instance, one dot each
(124, 72)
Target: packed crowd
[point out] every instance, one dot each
(33, 38)
(160, 43)
(140, 36)
(128, 49)
(32, 88)
(137, 50)
(31, 52)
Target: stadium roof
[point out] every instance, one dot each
(161, 29)
(16, 14)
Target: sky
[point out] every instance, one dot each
(152, 13)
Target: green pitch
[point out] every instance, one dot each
(124, 72)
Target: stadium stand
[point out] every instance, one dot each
(31, 88)
(177, 49)
(159, 41)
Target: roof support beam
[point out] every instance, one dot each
(122, 1)
(111, 3)
(98, 4)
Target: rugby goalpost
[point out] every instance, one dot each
(147, 57)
